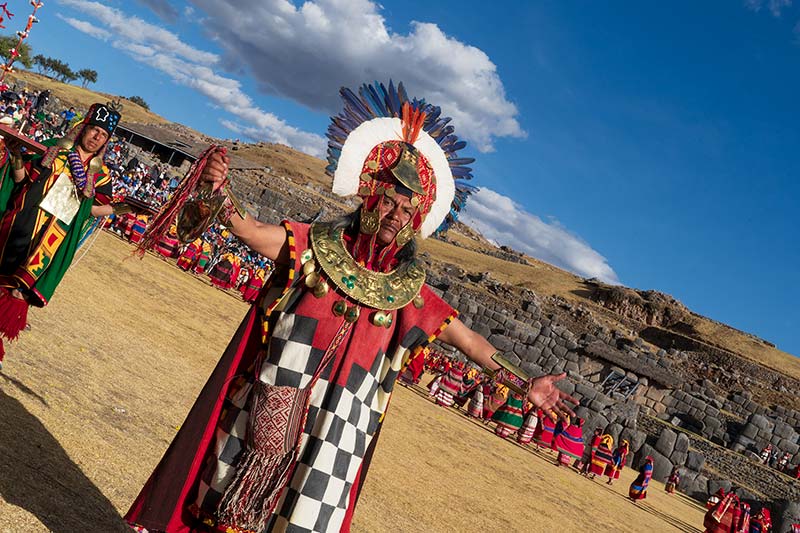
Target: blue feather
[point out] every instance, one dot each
(461, 161)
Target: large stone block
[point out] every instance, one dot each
(587, 392)
(481, 328)
(682, 443)
(566, 385)
(635, 439)
(750, 431)
(501, 342)
(762, 423)
(715, 484)
(678, 458)
(695, 461)
(699, 489)
(784, 430)
(666, 442)
(614, 430)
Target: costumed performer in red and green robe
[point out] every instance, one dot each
(47, 202)
(280, 436)
(509, 416)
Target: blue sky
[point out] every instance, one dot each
(655, 145)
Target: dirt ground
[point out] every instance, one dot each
(92, 395)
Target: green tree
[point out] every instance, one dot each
(88, 76)
(41, 63)
(7, 42)
(61, 71)
(139, 100)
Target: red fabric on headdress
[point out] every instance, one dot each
(376, 176)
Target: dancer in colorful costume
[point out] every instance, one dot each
(450, 385)
(638, 489)
(278, 437)
(47, 202)
(509, 416)
(528, 429)
(468, 387)
(761, 522)
(253, 286)
(602, 456)
(618, 459)
(543, 436)
(189, 256)
(569, 443)
(673, 480)
(475, 405)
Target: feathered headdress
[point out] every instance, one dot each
(372, 133)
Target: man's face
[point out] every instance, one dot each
(93, 139)
(395, 213)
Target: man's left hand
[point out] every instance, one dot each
(545, 395)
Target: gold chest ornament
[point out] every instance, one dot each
(383, 291)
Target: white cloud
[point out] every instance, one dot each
(164, 9)
(775, 6)
(136, 30)
(306, 53)
(505, 222)
(86, 27)
(189, 66)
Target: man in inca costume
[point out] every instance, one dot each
(280, 437)
(46, 204)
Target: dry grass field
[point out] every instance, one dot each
(92, 395)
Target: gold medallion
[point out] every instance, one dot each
(379, 290)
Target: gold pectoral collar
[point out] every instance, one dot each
(379, 290)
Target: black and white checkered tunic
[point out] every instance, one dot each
(341, 422)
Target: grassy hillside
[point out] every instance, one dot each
(74, 95)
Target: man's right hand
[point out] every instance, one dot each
(216, 170)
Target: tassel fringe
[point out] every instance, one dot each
(13, 316)
(253, 493)
(160, 225)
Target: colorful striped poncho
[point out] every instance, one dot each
(189, 256)
(449, 386)
(602, 456)
(569, 444)
(617, 461)
(509, 416)
(528, 428)
(475, 406)
(467, 390)
(543, 436)
(638, 489)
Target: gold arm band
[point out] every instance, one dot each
(509, 374)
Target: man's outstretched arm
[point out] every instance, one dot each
(543, 392)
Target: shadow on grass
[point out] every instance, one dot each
(37, 475)
(24, 388)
